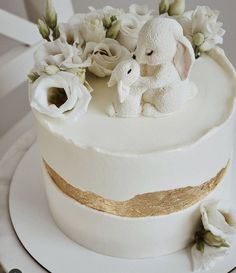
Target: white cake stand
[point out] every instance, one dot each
(54, 251)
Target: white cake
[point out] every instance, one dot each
(122, 158)
(132, 187)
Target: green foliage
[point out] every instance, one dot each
(48, 27)
(33, 76)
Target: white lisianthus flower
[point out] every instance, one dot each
(59, 96)
(59, 54)
(212, 241)
(105, 56)
(69, 33)
(129, 31)
(142, 12)
(220, 220)
(106, 11)
(204, 21)
(92, 28)
(206, 259)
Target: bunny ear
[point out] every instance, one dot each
(112, 80)
(123, 91)
(184, 57)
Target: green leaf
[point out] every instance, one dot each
(33, 76)
(200, 246)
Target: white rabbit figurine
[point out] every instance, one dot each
(166, 57)
(127, 100)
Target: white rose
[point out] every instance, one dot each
(59, 96)
(142, 12)
(203, 20)
(59, 54)
(206, 259)
(92, 28)
(105, 56)
(217, 218)
(129, 31)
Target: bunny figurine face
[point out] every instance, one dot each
(125, 74)
(127, 71)
(161, 41)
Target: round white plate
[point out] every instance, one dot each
(53, 250)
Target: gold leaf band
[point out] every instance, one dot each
(142, 205)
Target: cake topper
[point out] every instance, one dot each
(127, 101)
(166, 57)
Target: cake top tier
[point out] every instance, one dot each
(214, 103)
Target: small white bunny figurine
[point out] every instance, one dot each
(127, 100)
(166, 57)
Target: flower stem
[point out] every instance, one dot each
(197, 52)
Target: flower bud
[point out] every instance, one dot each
(51, 15)
(56, 33)
(177, 8)
(113, 31)
(51, 70)
(107, 22)
(113, 18)
(200, 246)
(164, 6)
(198, 39)
(33, 76)
(43, 29)
(215, 241)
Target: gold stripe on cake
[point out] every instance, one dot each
(142, 205)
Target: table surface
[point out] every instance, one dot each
(12, 253)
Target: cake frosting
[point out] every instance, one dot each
(137, 157)
(150, 135)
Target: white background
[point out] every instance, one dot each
(15, 105)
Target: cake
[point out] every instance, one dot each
(135, 117)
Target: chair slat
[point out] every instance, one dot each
(18, 28)
(14, 67)
(35, 9)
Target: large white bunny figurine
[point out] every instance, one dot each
(166, 57)
(127, 100)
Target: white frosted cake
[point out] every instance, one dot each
(131, 169)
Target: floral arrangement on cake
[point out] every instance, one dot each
(97, 42)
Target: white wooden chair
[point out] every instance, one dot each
(16, 63)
